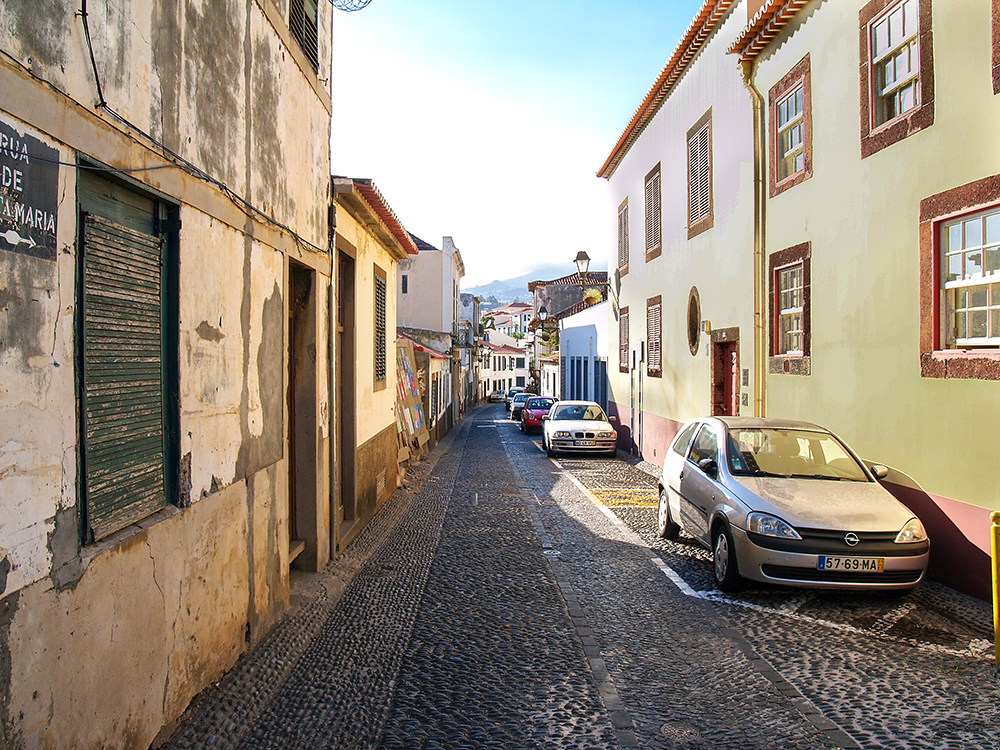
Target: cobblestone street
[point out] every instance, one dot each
(503, 600)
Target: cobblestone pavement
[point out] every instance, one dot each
(508, 601)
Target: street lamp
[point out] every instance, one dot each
(543, 314)
(582, 263)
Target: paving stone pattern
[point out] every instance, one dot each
(495, 604)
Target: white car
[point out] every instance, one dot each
(578, 426)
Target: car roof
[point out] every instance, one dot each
(767, 422)
(582, 403)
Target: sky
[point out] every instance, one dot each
(487, 122)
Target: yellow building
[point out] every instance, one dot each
(370, 242)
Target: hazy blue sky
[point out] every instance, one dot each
(488, 121)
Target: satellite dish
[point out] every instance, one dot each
(349, 5)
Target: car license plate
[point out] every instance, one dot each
(583, 442)
(852, 564)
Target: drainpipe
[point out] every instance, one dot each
(759, 259)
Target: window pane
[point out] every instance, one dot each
(995, 323)
(974, 264)
(977, 324)
(881, 42)
(954, 267)
(954, 237)
(993, 229)
(978, 296)
(974, 233)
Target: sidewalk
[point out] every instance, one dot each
(316, 650)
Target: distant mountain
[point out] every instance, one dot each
(516, 289)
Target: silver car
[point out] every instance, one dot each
(578, 426)
(789, 503)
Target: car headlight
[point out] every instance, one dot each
(765, 525)
(560, 433)
(605, 434)
(913, 531)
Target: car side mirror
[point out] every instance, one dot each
(612, 418)
(880, 471)
(709, 466)
(545, 417)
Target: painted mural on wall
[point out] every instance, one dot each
(29, 177)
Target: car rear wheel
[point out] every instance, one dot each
(727, 571)
(523, 428)
(665, 525)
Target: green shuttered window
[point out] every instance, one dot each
(123, 381)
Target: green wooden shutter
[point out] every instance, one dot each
(122, 375)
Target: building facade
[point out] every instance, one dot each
(164, 270)
(370, 243)
(792, 266)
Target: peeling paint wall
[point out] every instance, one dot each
(212, 109)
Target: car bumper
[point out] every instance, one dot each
(801, 569)
(571, 445)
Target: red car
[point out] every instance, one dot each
(534, 409)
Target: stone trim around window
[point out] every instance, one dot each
(799, 74)
(875, 138)
(935, 360)
(996, 46)
(791, 364)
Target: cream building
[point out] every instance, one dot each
(856, 284)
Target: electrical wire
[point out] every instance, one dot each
(241, 203)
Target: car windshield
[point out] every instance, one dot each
(589, 412)
(791, 453)
(540, 403)
(520, 398)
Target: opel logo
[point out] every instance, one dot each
(852, 539)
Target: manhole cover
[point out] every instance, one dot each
(679, 732)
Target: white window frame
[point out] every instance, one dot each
(895, 61)
(789, 304)
(790, 124)
(970, 280)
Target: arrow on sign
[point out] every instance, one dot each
(14, 239)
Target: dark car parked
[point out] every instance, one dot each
(534, 409)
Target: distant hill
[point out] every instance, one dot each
(516, 289)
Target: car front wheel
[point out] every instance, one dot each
(665, 525)
(727, 571)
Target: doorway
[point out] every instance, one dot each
(346, 515)
(726, 372)
(302, 416)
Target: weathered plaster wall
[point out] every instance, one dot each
(155, 617)
(155, 613)
(37, 402)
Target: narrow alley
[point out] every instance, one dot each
(494, 604)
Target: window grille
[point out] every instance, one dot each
(303, 22)
(971, 266)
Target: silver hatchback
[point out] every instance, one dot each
(789, 503)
